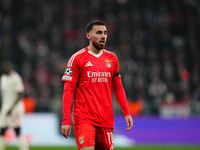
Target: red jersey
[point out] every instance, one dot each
(93, 74)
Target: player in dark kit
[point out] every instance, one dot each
(90, 76)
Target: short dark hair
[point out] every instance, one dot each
(90, 25)
(7, 63)
(7, 66)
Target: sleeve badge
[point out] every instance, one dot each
(68, 71)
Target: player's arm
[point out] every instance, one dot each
(20, 95)
(68, 92)
(70, 79)
(19, 88)
(120, 95)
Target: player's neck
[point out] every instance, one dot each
(8, 72)
(93, 49)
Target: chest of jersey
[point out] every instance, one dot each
(8, 84)
(96, 70)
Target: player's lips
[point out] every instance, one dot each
(102, 42)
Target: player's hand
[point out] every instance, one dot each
(129, 122)
(66, 130)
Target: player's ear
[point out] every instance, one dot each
(88, 36)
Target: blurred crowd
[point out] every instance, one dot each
(157, 43)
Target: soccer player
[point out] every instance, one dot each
(89, 78)
(12, 107)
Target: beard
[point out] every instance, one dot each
(98, 46)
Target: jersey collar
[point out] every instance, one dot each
(94, 54)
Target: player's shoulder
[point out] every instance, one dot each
(76, 56)
(15, 74)
(12, 76)
(79, 52)
(110, 54)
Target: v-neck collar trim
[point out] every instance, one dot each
(94, 54)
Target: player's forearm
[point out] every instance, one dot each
(67, 105)
(122, 101)
(20, 95)
(69, 89)
(120, 95)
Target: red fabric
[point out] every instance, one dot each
(85, 135)
(104, 139)
(93, 77)
(120, 95)
(90, 135)
(68, 92)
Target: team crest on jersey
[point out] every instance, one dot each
(81, 140)
(108, 62)
(68, 71)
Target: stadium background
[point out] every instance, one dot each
(157, 42)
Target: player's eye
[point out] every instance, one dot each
(99, 32)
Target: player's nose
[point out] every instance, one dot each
(103, 36)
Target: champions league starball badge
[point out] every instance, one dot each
(68, 71)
